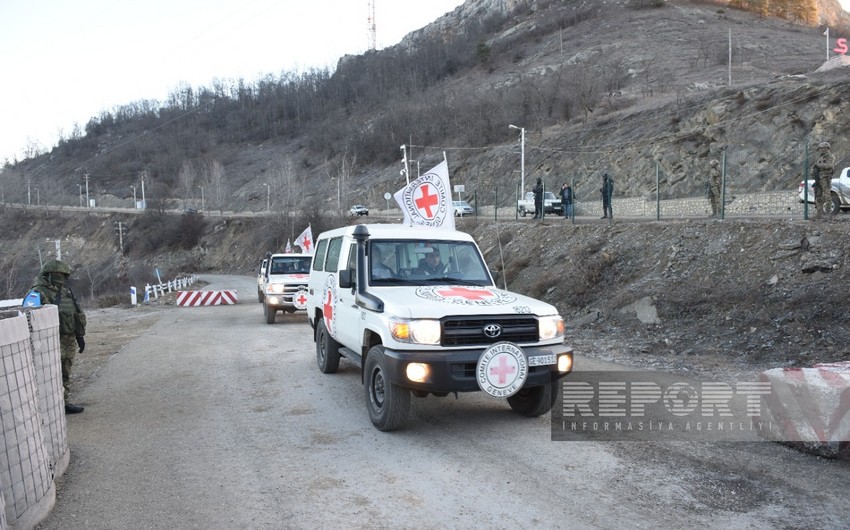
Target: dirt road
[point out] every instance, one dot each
(214, 419)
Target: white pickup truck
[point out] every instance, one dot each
(416, 311)
(551, 204)
(285, 284)
(839, 194)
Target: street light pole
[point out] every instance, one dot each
(522, 157)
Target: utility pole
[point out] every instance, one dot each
(268, 197)
(522, 159)
(88, 202)
(404, 161)
(120, 228)
(81, 194)
(134, 196)
(202, 198)
(142, 178)
(29, 192)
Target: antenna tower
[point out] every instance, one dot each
(371, 26)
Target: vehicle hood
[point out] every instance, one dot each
(436, 301)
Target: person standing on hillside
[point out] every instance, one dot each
(714, 187)
(567, 200)
(50, 285)
(823, 170)
(607, 191)
(538, 199)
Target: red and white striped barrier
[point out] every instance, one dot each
(811, 406)
(199, 298)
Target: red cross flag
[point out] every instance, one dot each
(305, 241)
(427, 201)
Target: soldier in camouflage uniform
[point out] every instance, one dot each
(823, 170)
(714, 187)
(50, 284)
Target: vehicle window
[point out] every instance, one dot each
(352, 257)
(427, 262)
(332, 260)
(319, 258)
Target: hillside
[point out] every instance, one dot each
(715, 297)
(623, 87)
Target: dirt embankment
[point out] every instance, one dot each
(699, 295)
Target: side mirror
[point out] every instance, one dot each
(345, 280)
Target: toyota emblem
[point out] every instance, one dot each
(492, 330)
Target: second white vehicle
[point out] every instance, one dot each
(285, 284)
(839, 194)
(462, 208)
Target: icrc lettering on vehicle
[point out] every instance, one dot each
(417, 311)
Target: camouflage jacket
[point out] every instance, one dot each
(72, 320)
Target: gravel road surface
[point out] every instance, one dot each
(215, 419)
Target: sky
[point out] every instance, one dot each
(64, 62)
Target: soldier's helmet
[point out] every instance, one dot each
(823, 146)
(714, 163)
(55, 265)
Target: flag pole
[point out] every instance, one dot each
(827, 42)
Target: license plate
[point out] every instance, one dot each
(541, 360)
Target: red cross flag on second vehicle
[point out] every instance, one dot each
(427, 201)
(305, 241)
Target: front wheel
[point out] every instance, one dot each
(388, 404)
(535, 401)
(269, 313)
(835, 205)
(327, 350)
(522, 212)
(260, 295)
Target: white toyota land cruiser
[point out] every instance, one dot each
(285, 284)
(417, 310)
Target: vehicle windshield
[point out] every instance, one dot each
(407, 262)
(290, 265)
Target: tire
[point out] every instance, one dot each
(535, 401)
(835, 204)
(388, 404)
(327, 350)
(269, 313)
(522, 212)
(260, 295)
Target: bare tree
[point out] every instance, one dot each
(186, 178)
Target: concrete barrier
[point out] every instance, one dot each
(810, 407)
(26, 481)
(47, 364)
(204, 298)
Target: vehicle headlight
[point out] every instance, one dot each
(416, 331)
(275, 288)
(551, 327)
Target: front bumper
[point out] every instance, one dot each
(454, 370)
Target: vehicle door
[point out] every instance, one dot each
(348, 318)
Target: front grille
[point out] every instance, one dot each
(293, 288)
(469, 331)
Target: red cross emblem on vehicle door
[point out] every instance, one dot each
(426, 201)
(328, 309)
